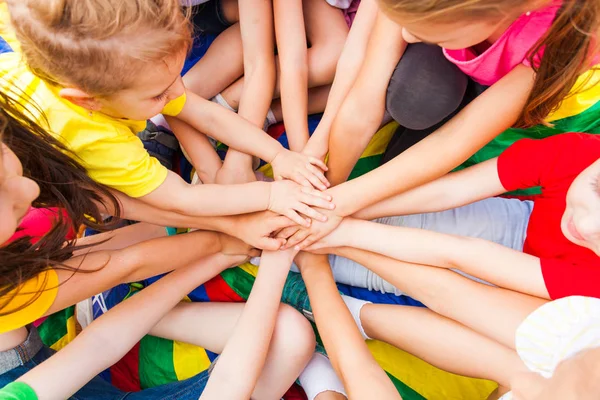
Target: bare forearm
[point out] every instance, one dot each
(449, 146)
(98, 341)
(246, 351)
(450, 191)
(345, 347)
(228, 127)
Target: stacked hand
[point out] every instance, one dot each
(300, 168)
(289, 199)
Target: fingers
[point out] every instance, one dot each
(316, 177)
(272, 244)
(288, 232)
(280, 223)
(301, 180)
(298, 237)
(316, 199)
(318, 163)
(309, 241)
(255, 253)
(310, 212)
(294, 216)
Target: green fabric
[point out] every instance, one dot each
(54, 327)
(156, 351)
(405, 391)
(17, 391)
(586, 122)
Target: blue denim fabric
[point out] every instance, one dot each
(99, 389)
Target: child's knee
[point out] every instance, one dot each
(425, 87)
(293, 335)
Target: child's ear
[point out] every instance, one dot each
(80, 98)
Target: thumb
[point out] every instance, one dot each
(272, 244)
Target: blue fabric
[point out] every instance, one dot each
(99, 389)
(5, 47)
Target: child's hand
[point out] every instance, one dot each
(304, 238)
(288, 198)
(302, 169)
(257, 229)
(235, 247)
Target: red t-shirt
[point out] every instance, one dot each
(553, 163)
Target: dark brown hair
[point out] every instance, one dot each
(569, 45)
(63, 183)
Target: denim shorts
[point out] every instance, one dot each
(31, 353)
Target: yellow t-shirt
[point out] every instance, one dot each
(107, 147)
(46, 284)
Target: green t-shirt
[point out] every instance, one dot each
(17, 391)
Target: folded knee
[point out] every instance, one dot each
(293, 335)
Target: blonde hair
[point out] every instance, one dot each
(569, 45)
(98, 46)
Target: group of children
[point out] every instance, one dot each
(503, 93)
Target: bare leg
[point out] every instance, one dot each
(326, 32)
(454, 296)
(317, 100)
(441, 341)
(211, 324)
(221, 66)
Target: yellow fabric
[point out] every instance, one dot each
(7, 32)
(174, 107)
(46, 284)
(586, 96)
(71, 326)
(107, 147)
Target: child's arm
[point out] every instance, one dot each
(489, 261)
(450, 191)
(363, 378)
(361, 112)
(202, 155)
(491, 113)
(283, 197)
(254, 229)
(246, 350)
(231, 129)
(348, 67)
(293, 60)
(98, 347)
(102, 270)
(256, 27)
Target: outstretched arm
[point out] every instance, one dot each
(348, 67)
(450, 191)
(489, 261)
(246, 350)
(363, 378)
(102, 270)
(256, 26)
(236, 132)
(64, 373)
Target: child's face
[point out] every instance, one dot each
(16, 193)
(581, 220)
(452, 36)
(156, 86)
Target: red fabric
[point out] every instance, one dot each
(38, 221)
(295, 393)
(124, 375)
(219, 291)
(553, 163)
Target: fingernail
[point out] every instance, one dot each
(331, 206)
(296, 248)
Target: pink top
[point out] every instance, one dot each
(510, 50)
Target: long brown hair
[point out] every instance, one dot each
(63, 183)
(569, 45)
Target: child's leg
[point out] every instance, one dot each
(493, 312)
(221, 66)
(211, 324)
(317, 100)
(441, 342)
(326, 31)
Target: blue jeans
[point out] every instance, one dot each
(99, 389)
